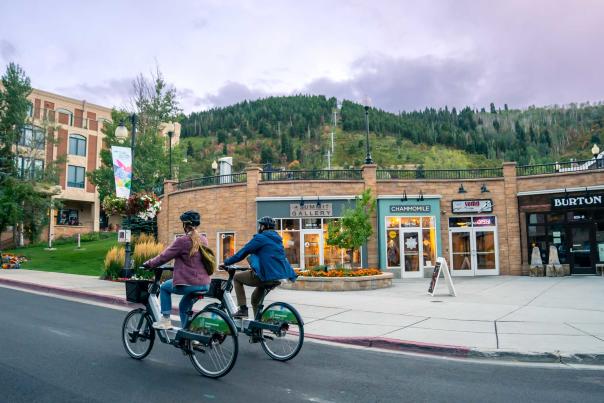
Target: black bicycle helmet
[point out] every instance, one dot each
(267, 221)
(191, 217)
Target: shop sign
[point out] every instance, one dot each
(487, 221)
(577, 201)
(310, 210)
(472, 206)
(410, 209)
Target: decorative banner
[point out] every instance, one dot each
(122, 170)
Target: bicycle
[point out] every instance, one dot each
(279, 328)
(209, 337)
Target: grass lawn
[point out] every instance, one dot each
(67, 258)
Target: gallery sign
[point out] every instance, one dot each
(472, 206)
(311, 210)
(410, 209)
(577, 201)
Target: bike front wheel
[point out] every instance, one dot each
(138, 334)
(217, 357)
(285, 342)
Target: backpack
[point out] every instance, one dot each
(208, 258)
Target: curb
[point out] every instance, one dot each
(368, 342)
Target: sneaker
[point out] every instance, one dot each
(163, 324)
(241, 313)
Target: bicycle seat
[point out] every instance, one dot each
(197, 293)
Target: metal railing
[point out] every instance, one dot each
(318, 174)
(560, 167)
(476, 173)
(212, 181)
(57, 116)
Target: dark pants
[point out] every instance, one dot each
(250, 278)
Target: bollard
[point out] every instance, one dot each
(78, 241)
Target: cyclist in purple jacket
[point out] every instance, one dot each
(189, 272)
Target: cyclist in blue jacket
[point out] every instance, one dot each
(267, 260)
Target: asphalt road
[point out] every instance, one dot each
(53, 350)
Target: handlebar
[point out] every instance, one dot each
(232, 268)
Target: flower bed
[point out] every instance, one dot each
(9, 261)
(340, 280)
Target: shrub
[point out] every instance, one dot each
(143, 238)
(338, 273)
(114, 262)
(143, 252)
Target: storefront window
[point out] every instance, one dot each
(393, 222)
(68, 217)
(291, 243)
(393, 254)
(413, 245)
(290, 225)
(311, 223)
(536, 218)
(458, 222)
(410, 222)
(226, 245)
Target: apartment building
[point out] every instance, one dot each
(77, 127)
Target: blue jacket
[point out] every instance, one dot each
(268, 248)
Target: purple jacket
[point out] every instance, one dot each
(188, 270)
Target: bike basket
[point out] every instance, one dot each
(216, 288)
(137, 290)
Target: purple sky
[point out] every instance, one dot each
(402, 55)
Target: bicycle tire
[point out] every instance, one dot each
(293, 321)
(217, 358)
(130, 324)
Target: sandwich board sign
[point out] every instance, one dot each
(441, 265)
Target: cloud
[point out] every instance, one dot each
(232, 92)
(7, 50)
(111, 93)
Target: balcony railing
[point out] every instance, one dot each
(319, 174)
(54, 116)
(212, 181)
(560, 167)
(410, 174)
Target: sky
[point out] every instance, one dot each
(395, 55)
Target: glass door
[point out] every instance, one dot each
(485, 251)
(412, 256)
(461, 247)
(581, 254)
(312, 253)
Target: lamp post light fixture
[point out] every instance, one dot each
(121, 132)
(595, 150)
(368, 159)
(214, 166)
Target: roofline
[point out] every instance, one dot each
(69, 99)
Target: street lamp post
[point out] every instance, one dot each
(170, 134)
(368, 159)
(595, 150)
(122, 133)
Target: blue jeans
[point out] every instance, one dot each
(186, 303)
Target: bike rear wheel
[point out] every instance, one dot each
(138, 334)
(216, 358)
(284, 344)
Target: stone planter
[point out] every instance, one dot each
(537, 271)
(340, 283)
(556, 270)
(565, 269)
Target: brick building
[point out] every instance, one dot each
(483, 221)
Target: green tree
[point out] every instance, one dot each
(493, 110)
(190, 151)
(354, 229)
(266, 155)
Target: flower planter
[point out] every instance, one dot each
(360, 283)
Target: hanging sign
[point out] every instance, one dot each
(472, 206)
(310, 210)
(577, 201)
(441, 266)
(122, 170)
(410, 209)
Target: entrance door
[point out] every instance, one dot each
(473, 251)
(312, 253)
(581, 253)
(412, 253)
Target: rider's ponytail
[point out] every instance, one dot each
(195, 241)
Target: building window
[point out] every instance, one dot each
(30, 109)
(226, 245)
(68, 217)
(399, 249)
(32, 137)
(30, 168)
(77, 145)
(68, 120)
(75, 176)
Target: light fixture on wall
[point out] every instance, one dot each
(421, 196)
(483, 189)
(318, 202)
(302, 202)
(404, 198)
(461, 189)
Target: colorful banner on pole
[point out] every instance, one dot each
(122, 170)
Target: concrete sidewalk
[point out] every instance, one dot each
(522, 318)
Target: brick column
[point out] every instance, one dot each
(251, 192)
(163, 218)
(512, 230)
(370, 179)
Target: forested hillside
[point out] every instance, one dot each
(295, 131)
